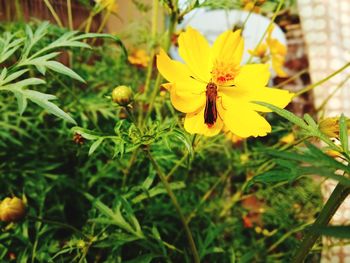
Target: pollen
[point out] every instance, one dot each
(224, 72)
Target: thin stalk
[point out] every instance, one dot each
(19, 11)
(324, 103)
(104, 21)
(173, 198)
(153, 36)
(159, 77)
(246, 19)
(208, 194)
(267, 28)
(57, 223)
(53, 13)
(88, 23)
(175, 167)
(70, 17)
(310, 87)
(295, 76)
(155, 14)
(335, 200)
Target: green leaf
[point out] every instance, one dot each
(87, 134)
(159, 189)
(116, 216)
(333, 231)
(343, 133)
(43, 100)
(95, 145)
(21, 102)
(60, 68)
(14, 76)
(285, 114)
(98, 35)
(184, 139)
(310, 121)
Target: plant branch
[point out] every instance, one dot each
(173, 198)
(335, 200)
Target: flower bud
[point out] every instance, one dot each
(11, 209)
(122, 95)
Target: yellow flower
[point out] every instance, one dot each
(110, 5)
(277, 53)
(253, 6)
(213, 89)
(139, 58)
(330, 126)
(12, 209)
(260, 51)
(288, 139)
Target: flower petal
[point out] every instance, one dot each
(252, 76)
(276, 97)
(172, 70)
(243, 121)
(228, 47)
(194, 123)
(187, 99)
(195, 51)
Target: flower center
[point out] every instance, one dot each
(223, 72)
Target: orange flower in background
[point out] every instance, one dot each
(214, 90)
(139, 58)
(274, 50)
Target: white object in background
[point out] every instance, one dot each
(211, 23)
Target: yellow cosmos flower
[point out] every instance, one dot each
(277, 53)
(330, 126)
(214, 90)
(139, 58)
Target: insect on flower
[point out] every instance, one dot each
(214, 90)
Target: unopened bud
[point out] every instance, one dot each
(12, 209)
(122, 95)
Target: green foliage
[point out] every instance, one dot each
(100, 199)
(14, 78)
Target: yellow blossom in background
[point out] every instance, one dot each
(139, 58)
(12, 209)
(214, 90)
(288, 139)
(109, 5)
(333, 153)
(260, 51)
(276, 52)
(252, 6)
(232, 137)
(330, 126)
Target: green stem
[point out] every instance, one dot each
(267, 28)
(153, 35)
(172, 26)
(19, 11)
(53, 13)
(335, 200)
(153, 53)
(70, 17)
(310, 87)
(294, 77)
(173, 198)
